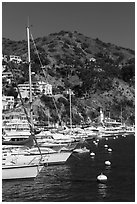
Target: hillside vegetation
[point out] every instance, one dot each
(100, 75)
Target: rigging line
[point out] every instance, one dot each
(44, 74)
(38, 56)
(36, 49)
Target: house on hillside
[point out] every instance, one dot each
(4, 67)
(7, 102)
(25, 90)
(7, 77)
(45, 88)
(4, 58)
(92, 59)
(37, 88)
(16, 59)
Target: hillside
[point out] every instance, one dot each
(100, 75)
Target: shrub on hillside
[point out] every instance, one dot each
(88, 51)
(128, 72)
(52, 50)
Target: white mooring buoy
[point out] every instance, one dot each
(108, 163)
(109, 150)
(92, 154)
(102, 178)
(106, 146)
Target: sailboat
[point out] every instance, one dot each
(27, 164)
(20, 166)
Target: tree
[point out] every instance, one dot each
(128, 72)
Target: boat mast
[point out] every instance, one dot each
(70, 110)
(30, 83)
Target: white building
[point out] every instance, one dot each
(7, 102)
(25, 90)
(92, 59)
(36, 89)
(7, 76)
(5, 58)
(101, 117)
(16, 59)
(3, 68)
(44, 87)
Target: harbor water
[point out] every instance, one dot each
(76, 181)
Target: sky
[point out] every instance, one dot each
(111, 22)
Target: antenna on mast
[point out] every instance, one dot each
(28, 21)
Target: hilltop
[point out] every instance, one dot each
(100, 75)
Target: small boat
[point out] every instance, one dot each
(18, 140)
(110, 127)
(81, 150)
(130, 130)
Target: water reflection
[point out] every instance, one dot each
(108, 169)
(92, 158)
(102, 190)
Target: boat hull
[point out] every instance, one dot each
(20, 172)
(57, 146)
(56, 158)
(34, 159)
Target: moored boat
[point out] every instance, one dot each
(81, 150)
(20, 171)
(20, 166)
